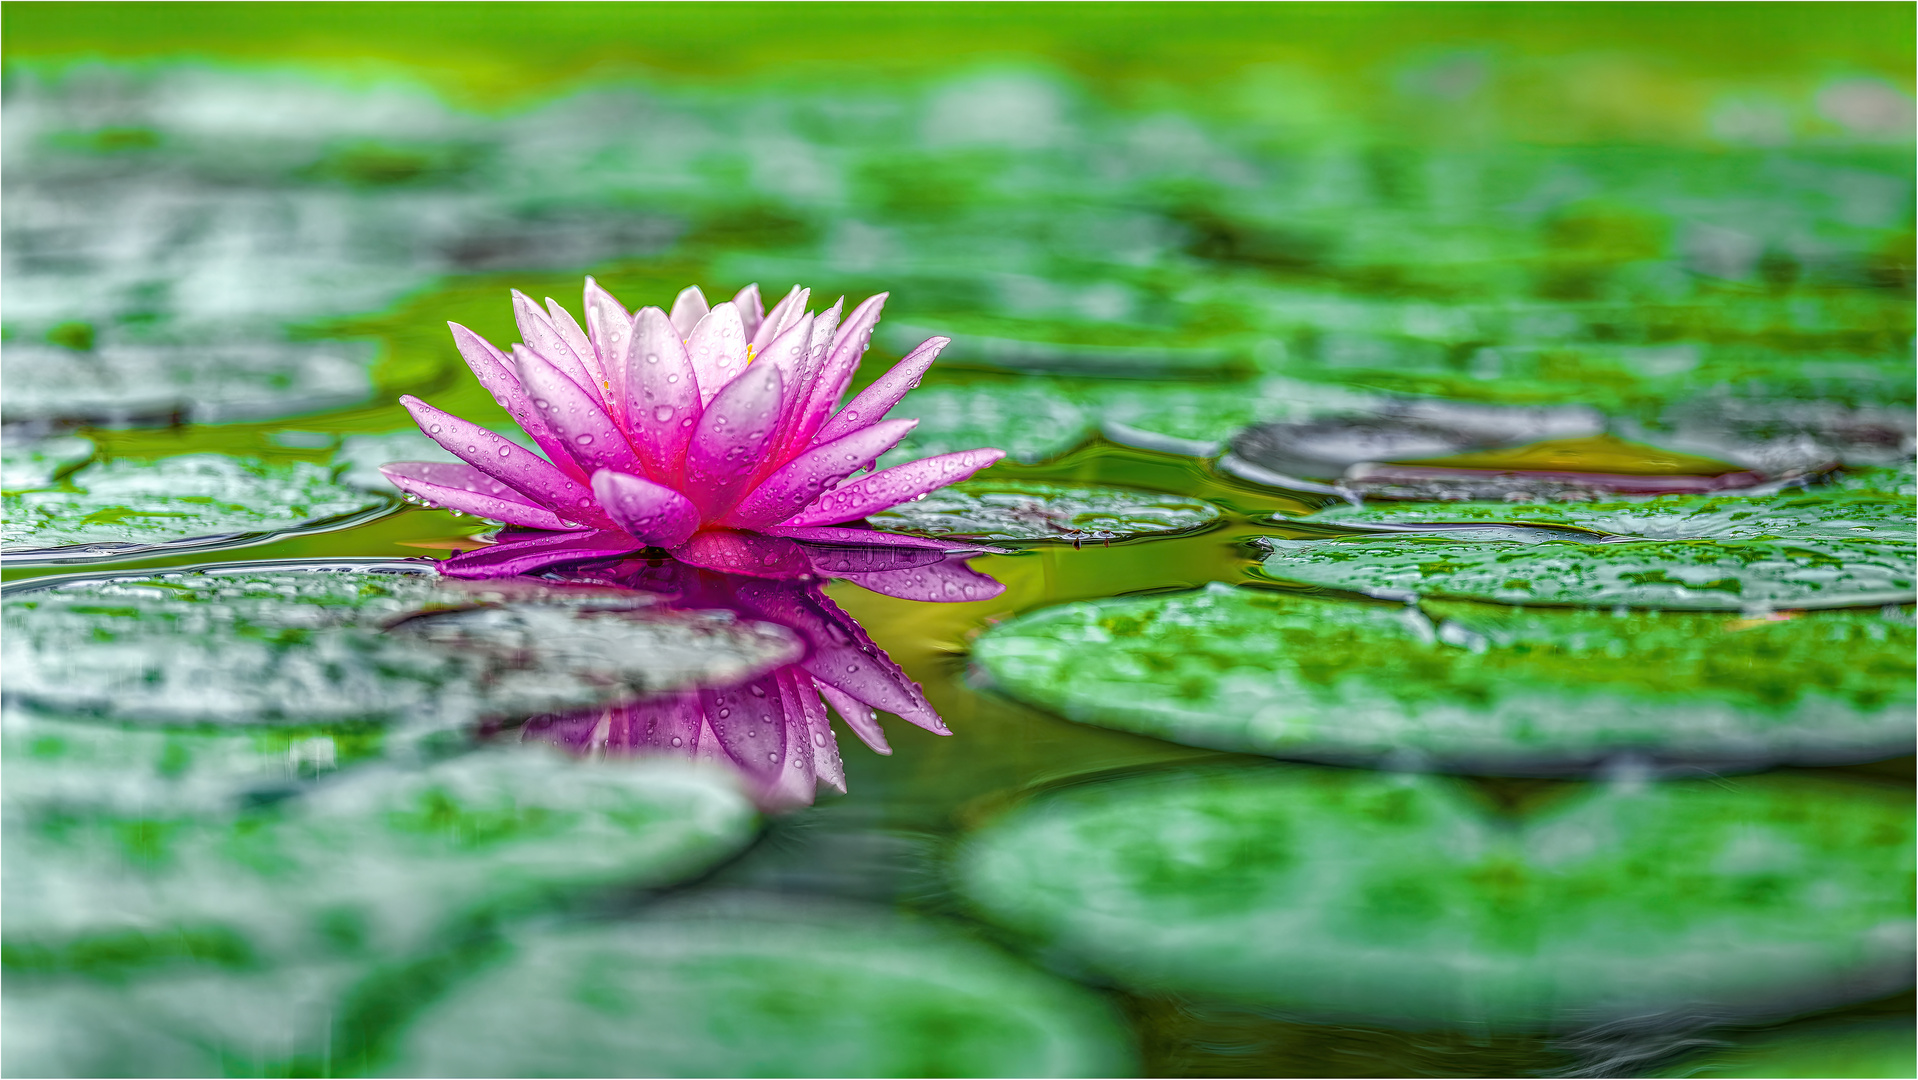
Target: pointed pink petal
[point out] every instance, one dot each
(842, 655)
(780, 318)
(689, 307)
(538, 333)
(801, 692)
(470, 491)
(890, 487)
(802, 480)
(857, 715)
(522, 555)
(610, 327)
(661, 395)
(744, 553)
(718, 349)
(795, 784)
(836, 371)
(862, 537)
(791, 438)
(655, 514)
(875, 401)
(840, 560)
(575, 417)
(730, 441)
(582, 346)
(948, 581)
(505, 460)
(496, 374)
(750, 724)
(752, 311)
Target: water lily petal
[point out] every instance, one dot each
(582, 346)
(718, 349)
(731, 439)
(496, 374)
(651, 512)
(470, 491)
(744, 553)
(610, 327)
(842, 655)
(949, 581)
(750, 725)
(689, 307)
(780, 318)
(575, 416)
(802, 695)
(835, 372)
(794, 785)
(524, 554)
(841, 559)
(503, 459)
(752, 310)
(890, 487)
(660, 394)
(538, 333)
(857, 715)
(828, 534)
(876, 400)
(800, 481)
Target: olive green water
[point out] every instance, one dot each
(1144, 230)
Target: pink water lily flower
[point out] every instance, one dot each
(669, 428)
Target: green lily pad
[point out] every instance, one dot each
(208, 380)
(1466, 686)
(764, 990)
(27, 466)
(118, 508)
(1397, 899)
(1029, 510)
(357, 640)
(1031, 420)
(377, 861)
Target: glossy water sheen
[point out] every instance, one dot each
(271, 827)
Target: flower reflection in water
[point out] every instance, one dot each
(773, 728)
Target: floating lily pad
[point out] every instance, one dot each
(1693, 575)
(359, 640)
(1099, 359)
(30, 465)
(1467, 686)
(1030, 421)
(122, 507)
(764, 990)
(1029, 510)
(362, 455)
(1398, 899)
(203, 381)
(372, 863)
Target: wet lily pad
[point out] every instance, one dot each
(30, 465)
(123, 507)
(376, 862)
(205, 381)
(764, 990)
(358, 640)
(1030, 510)
(1465, 686)
(1399, 899)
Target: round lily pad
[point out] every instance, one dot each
(1403, 900)
(118, 508)
(1028, 510)
(764, 990)
(358, 640)
(207, 380)
(376, 862)
(1466, 686)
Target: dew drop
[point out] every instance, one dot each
(724, 713)
(434, 430)
(675, 740)
(505, 449)
(583, 439)
(662, 413)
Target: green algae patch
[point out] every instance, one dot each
(1025, 510)
(1463, 685)
(1397, 899)
(763, 990)
(125, 507)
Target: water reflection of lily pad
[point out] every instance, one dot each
(1029, 510)
(358, 641)
(1485, 687)
(121, 507)
(1398, 899)
(1690, 575)
(764, 991)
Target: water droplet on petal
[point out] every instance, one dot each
(663, 413)
(675, 740)
(583, 439)
(505, 449)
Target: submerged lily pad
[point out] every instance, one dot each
(372, 863)
(1029, 510)
(121, 507)
(359, 640)
(1466, 686)
(759, 990)
(1397, 899)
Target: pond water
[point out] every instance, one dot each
(1447, 608)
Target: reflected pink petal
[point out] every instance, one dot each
(888, 488)
(947, 582)
(526, 555)
(857, 715)
(842, 655)
(652, 513)
(466, 489)
(837, 560)
(750, 724)
(864, 537)
(823, 751)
